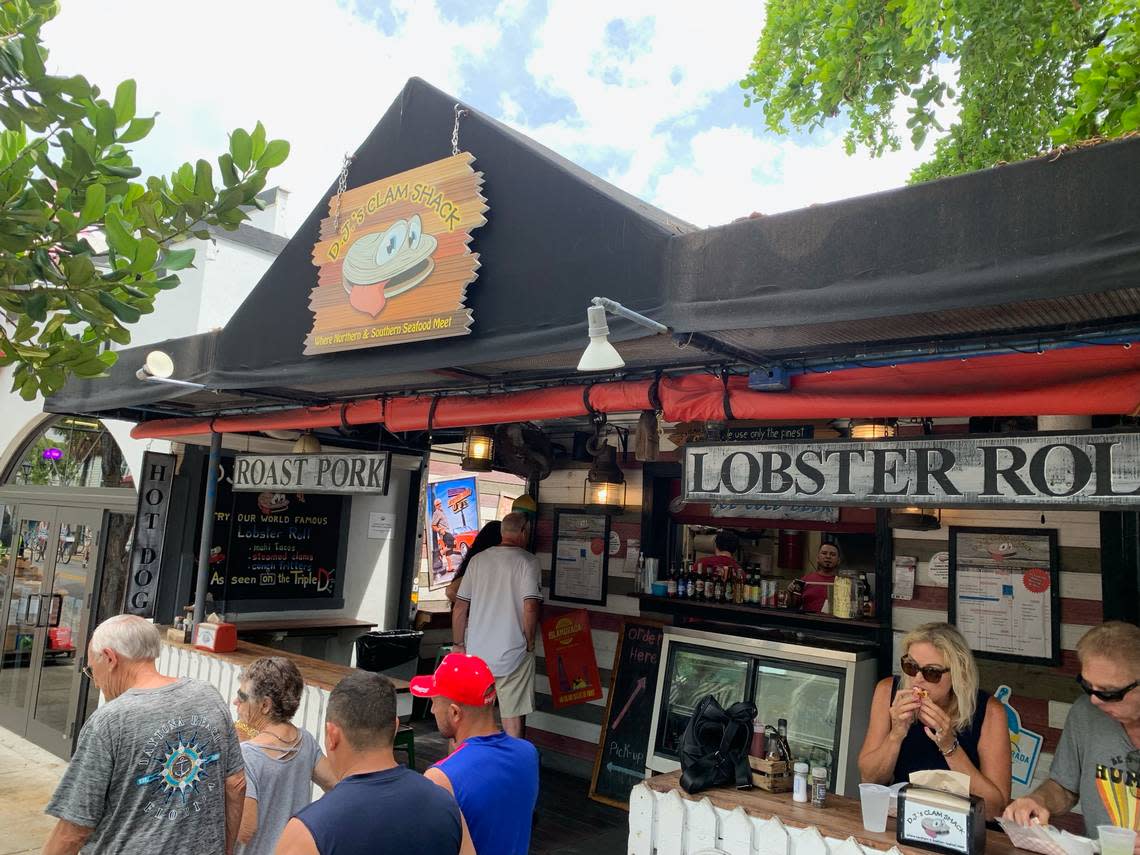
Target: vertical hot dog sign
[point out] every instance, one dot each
(394, 259)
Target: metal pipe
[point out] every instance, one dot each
(207, 527)
(616, 308)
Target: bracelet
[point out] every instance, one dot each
(458, 644)
(953, 747)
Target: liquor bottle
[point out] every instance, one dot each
(718, 591)
(682, 585)
(729, 591)
(691, 585)
(700, 584)
(866, 601)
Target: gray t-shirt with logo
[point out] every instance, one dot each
(1096, 760)
(149, 772)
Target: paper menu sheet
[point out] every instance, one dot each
(1003, 601)
(580, 557)
(1046, 839)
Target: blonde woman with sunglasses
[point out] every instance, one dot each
(935, 717)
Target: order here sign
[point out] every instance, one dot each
(313, 473)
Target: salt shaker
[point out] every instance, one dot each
(800, 783)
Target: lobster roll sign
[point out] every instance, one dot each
(394, 260)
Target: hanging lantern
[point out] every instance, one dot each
(478, 449)
(872, 429)
(605, 485)
(307, 443)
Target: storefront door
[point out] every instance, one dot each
(46, 585)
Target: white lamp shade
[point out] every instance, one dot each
(600, 355)
(159, 364)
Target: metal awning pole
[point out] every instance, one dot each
(207, 527)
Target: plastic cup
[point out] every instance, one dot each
(874, 799)
(1115, 840)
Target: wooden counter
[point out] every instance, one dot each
(841, 819)
(316, 673)
(245, 627)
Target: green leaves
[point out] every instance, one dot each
(124, 103)
(1016, 90)
(65, 174)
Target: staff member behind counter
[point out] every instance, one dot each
(936, 717)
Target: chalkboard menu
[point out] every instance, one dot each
(277, 550)
(620, 762)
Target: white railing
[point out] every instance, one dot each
(667, 824)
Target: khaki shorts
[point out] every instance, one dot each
(515, 692)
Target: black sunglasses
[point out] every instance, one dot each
(1109, 697)
(930, 673)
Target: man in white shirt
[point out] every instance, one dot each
(496, 617)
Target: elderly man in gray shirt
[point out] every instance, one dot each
(158, 767)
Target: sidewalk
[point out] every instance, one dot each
(28, 776)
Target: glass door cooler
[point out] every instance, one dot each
(824, 693)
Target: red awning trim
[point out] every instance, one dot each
(1074, 381)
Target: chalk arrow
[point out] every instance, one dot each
(638, 688)
(612, 768)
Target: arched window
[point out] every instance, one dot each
(70, 451)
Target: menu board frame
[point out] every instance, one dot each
(1044, 540)
(226, 506)
(598, 564)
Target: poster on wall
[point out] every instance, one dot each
(580, 556)
(1004, 593)
(453, 522)
(571, 665)
(394, 259)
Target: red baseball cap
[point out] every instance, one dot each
(460, 677)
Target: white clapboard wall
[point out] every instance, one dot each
(667, 824)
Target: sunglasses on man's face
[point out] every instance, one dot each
(930, 673)
(1109, 696)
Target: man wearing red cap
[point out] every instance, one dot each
(493, 776)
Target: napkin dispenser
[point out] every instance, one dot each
(215, 635)
(940, 821)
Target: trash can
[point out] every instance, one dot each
(380, 651)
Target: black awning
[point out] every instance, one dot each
(1046, 246)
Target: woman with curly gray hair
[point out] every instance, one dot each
(282, 761)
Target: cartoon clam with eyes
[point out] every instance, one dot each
(383, 265)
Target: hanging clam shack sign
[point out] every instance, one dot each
(1070, 470)
(394, 261)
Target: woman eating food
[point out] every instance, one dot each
(935, 717)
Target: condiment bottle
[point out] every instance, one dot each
(756, 749)
(818, 786)
(800, 783)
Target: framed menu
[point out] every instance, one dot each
(579, 558)
(1005, 593)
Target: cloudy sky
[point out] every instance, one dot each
(644, 94)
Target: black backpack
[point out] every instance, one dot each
(714, 746)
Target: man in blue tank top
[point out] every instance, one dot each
(493, 776)
(379, 806)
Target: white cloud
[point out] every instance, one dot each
(318, 73)
(735, 172)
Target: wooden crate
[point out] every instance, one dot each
(775, 776)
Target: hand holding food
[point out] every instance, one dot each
(1025, 810)
(903, 710)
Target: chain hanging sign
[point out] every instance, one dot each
(1088, 470)
(394, 260)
